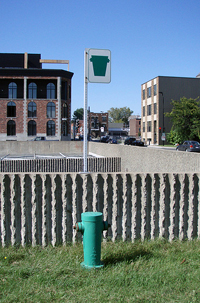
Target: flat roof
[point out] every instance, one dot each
(35, 72)
(197, 78)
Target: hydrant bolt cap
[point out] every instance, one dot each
(79, 227)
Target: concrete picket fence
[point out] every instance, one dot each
(41, 209)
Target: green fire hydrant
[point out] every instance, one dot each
(91, 227)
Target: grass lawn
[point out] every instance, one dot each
(152, 271)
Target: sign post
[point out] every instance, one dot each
(85, 112)
(163, 137)
(97, 69)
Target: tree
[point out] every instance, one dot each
(119, 115)
(78, 113)
(185, 117)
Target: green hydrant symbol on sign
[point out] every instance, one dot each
(99, 65)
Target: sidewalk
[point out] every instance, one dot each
(162, 147)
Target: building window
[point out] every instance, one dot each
(12, 90)
(65, 111)
(11, 109)
(50, 128)
(11, 128)
(96, 123)
(32, 128)
(148, 92)
(143, 111)
(155, 90)
(51, 91)
(51, 110)
(149, 110)
(64, 90)
(65, 128)
(32, 110)
(143, 94)
(69, 91)
(148, 126)
(32, 91)
(104, 118)
(155, 108)
(143, 127)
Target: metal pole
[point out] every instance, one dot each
(85, 114)
(163, 119)
(163, 114)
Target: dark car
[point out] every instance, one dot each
(39, 139)
(130, 141)
(189, 146)
(139, 143)
(112, 141)
(133, 141)
(105, 139)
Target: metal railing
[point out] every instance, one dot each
(103, 164)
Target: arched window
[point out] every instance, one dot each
(65, 110)
(11, 128)
(11, 109)
(32, 110)
(51, 91)
(50, 128)
(65, 128)
(12, 90)
(32, 128)
(32, 91)
(51, 110)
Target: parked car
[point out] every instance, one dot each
(39, 139)
(129, 141)
(133, 141)
(139, 143)
(189, 146)
(105, 139)
(112, 141)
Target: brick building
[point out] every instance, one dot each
(135, 126)
(34, 101)
(97, 124)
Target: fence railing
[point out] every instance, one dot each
(42, 208)
(104, 164)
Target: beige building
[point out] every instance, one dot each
(156, 97)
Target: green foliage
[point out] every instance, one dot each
(149, 271)
(119, 115)
(78, 113)
(173, 137)
(185, 117)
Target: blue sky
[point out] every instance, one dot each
(146, 39)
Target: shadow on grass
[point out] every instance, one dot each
(128, 256)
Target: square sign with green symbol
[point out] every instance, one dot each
(99, 65)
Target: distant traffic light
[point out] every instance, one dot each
(160, 130)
